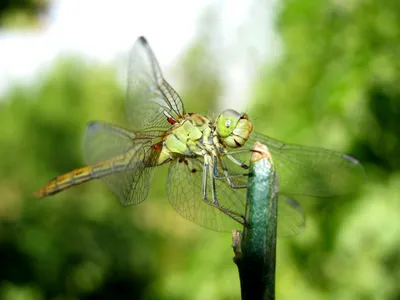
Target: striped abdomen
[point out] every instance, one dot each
(81, 175)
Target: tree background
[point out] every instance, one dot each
(335, 84)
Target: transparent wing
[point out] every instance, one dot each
(291, 218)
(132, 155)
(104, 141)
(150, 99)
(184, 190)
(311, 171)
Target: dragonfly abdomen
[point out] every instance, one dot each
(78, 176)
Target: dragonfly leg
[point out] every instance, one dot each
(205, 180)
(235, 160)
(207, 171)
(226, 175)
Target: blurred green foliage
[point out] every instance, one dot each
(335, 86)
(22, 13)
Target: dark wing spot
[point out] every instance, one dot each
(92, 125)
(351, 159)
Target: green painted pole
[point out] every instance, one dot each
(255, 249)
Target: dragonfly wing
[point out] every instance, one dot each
(184, 190)
(311, 171)
(150, 99)
(291, 219)
(133, 159)
(132, 185)
(104, 141)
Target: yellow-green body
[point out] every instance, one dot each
(196, 135)
(191, 136)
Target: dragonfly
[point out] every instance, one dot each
(208, 158)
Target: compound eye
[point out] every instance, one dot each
(226, 122)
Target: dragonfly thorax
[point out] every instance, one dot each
(195, 135)
(188, 137)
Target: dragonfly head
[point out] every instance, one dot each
(233, 128)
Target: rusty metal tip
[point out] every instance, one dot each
(260, 151)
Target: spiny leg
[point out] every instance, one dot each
(204, 181)
(234, 159)
(234, 215)
(207, 171)
(238, 162)
(229, 177)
